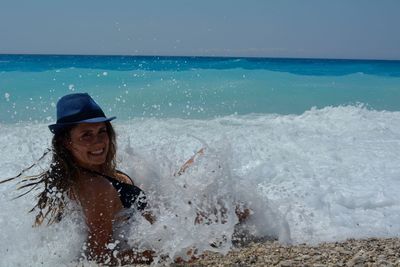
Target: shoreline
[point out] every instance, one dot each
(351, 252)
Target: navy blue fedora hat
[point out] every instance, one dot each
(77, 108)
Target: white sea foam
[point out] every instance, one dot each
(7, 96)
(328, 174)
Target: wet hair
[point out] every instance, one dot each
(55, 184)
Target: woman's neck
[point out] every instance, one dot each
(96, 169)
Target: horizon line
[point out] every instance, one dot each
(198, 56)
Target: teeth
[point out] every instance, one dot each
(97, 152)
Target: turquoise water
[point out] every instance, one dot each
(193, 87)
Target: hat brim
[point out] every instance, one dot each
(55, 128)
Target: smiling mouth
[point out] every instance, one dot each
(97, 152)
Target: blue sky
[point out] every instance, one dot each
(366, 29)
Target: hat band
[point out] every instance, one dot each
(81, 116)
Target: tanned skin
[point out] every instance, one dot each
(89, 144)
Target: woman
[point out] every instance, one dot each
(83, 169)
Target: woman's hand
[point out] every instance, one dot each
(189, 162)
(149, 216)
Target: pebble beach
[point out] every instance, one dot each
(352, 252)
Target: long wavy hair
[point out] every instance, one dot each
(55, 184)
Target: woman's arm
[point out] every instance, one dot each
(100, 212)
(189, 162)
(101, 206)
(98, 205)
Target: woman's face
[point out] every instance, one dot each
(89, 144)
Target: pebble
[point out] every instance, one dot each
(349, 253)
(286, 263)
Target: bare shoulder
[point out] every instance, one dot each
(124, 178)
(91, 190)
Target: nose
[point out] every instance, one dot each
(100, 138)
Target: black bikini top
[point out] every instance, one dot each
(129, 194)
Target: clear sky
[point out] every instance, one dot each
(368, 29)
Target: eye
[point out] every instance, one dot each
(87, 136)
(103, 131)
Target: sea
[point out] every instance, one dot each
(310, 146)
